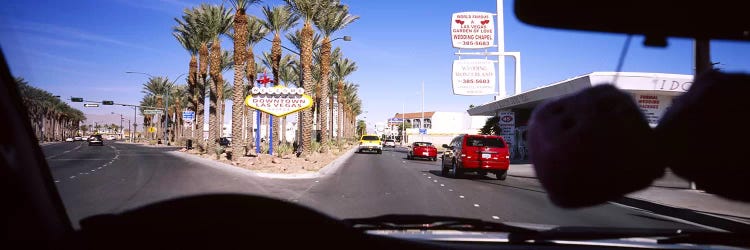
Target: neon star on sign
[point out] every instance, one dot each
(279, 100)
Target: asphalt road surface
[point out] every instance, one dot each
(120, 176)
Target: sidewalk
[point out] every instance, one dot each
(672, 191)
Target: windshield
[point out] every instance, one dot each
(370, 138)
(485, 142)
(196, 103)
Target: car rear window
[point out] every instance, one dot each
(388, 140)
(485, 142)
(370, 138)
(419, 144)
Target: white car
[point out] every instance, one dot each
(389, 143)
(78, 138)
(69, 139)
(111, 138)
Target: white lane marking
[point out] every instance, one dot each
(428, 177)
(57, 181)
(476, 205)
(65, 152)
(434, 180)
(81, 173)
(93, 170)
(442, 185)
(424, 174)
(461, 196)
(72, 177)
(99, 168)
(317, 181)
(450, 190)
(495, 217)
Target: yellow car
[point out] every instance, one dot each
(370, 143)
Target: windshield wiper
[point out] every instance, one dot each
(426, 222)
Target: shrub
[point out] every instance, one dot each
(283, 149)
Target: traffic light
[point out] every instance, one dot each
(107, 102)
(76, 99)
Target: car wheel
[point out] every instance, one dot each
(408, 157)
(380, 151)
(457, 172)
(434, 158)
(501, 175)
(444, 171)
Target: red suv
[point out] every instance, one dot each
(476, 153)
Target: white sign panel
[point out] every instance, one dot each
(507, 125)
(279, 100)
(473, 77)
(653, 106)
(472, 30)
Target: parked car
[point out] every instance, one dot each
(389, 143)
(69, 139)
(96, 140)
(111, 138)
(424, 150)
(370, 143)
(78, 138)
(476, 153)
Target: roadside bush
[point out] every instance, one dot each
(264, 148)
(219, 150)
(315, 147)
(283, 150)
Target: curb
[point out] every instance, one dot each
(327, 169)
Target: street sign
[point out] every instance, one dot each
(188, 115)
(473, 77)
(152, 129)
(507, 125)
(395, 120)
(153, 111)
(279, 100)
(422, 131)
(473, 30)
(91, 105)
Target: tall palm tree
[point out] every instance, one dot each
(255, 32)
(188, 38)
(240, 38)
(227, 63)
(351, 105)
(331, 85)
(308, 10)
(214, 20)
(158, 87)
(341, 69)
(287, 76)
(333, 21)
(277, 19)
(51, 118)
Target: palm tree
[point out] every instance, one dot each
(287, 75)
(255, 32)
(214, 20)
(187, 35)
(341, 69)
(352, 105)
(240, 38)
(333, 21)
(156, 88)
(277, 20)
(308, 10)
(193, 22)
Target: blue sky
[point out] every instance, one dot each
(83, 47)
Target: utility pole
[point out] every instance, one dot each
(421, 124)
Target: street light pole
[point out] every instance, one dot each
(421, 124)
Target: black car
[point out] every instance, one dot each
(96, 140)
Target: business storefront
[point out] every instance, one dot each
(653, 92)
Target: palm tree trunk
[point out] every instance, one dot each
(283, 130)
(250, 75)
(201, 95)
(331, 119)
(215, 94)
(240, 42)
(307, 81)
(325, 72)
(192, 87)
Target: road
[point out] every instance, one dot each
(120, 176)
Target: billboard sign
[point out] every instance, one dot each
(279, 100)
(473, 77)
(473, 30)
(507, 125)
